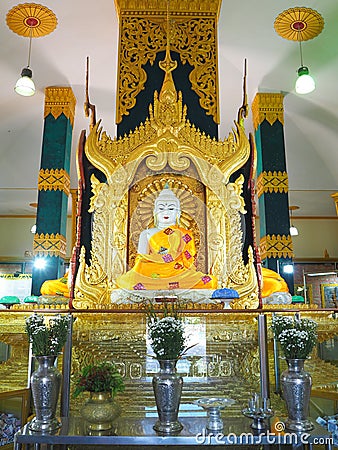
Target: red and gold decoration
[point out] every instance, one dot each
(299, 24)
(31, 19)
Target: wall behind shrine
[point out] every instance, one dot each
(16, 238)
(315, 237)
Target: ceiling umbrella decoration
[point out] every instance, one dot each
(31, 18)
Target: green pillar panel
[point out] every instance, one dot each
(56, 144)
(272, 184)
(52, 212)
(54, 185)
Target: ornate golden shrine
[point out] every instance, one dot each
(166, 148)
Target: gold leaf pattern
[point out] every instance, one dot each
(49, 244)
(276, 246)
(267, 106)
(54, 180)
(272, 182)
(60, 100)
(335, 198)
(193, 38)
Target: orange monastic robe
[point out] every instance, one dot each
(169, 264)
(272, 282)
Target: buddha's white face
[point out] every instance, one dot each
(166, 213)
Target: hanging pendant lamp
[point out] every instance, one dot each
(30, 20)
(293, 229)
(25, 85)
(300, 24)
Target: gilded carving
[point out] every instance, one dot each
(60, 100)
(335, 198)
(54, 180)
(49, 244)
(231, 351)
(193, 38)
(276, 246)
(158, 6)
(166, 148)
(272, 182)
(221, 157)
(267, 106)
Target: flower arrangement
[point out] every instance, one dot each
(47, 336)
(166, 333)
(101, 377)
(297, 337)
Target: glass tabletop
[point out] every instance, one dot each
(135, 431)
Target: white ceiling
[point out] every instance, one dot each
(246, 30)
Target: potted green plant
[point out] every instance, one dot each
(103, 381)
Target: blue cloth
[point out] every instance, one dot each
(225, 293)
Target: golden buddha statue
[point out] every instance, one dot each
(166, 253)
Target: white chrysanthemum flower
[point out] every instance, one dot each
(297, 336)
(167, 337)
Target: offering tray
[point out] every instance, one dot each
(213, 406)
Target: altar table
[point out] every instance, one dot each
(129, 431)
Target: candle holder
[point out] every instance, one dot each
(213, 406)
(258, 409)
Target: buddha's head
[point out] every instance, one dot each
(167, 209)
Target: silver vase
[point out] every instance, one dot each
(296, 387)
(167, 385)
(45, 386)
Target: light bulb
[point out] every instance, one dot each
(293, 231)
(25, 85)
(304, 83)
(40, 263)
(288, 268)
